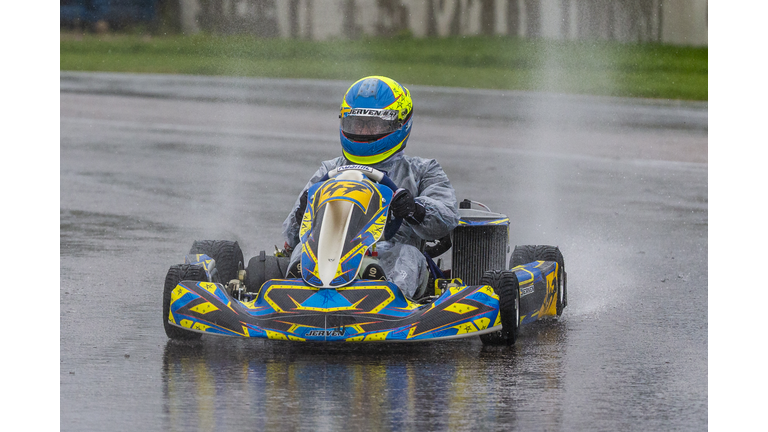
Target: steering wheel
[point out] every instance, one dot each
(372, 173)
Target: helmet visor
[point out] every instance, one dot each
(366, 125)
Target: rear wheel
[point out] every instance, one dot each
(262, 268)
(175, 275)
(227, 254)
(529, 253)
(507, 287)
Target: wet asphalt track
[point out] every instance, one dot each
(151, 163)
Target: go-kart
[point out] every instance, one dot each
(339, 293)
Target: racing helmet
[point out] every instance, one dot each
(376, 115)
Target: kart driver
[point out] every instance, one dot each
(376, 137)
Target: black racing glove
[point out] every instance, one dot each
(299, 215)
(404, 206)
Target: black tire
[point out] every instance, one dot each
(227, 254)
(175, 275)
(529, 253)
(507, 287)
(262, 268)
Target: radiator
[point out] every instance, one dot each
(480, 243)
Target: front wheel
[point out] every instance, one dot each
(227, 255)
(175, 275)
(507, 287)
(528, 253)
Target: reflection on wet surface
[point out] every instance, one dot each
(427, 386)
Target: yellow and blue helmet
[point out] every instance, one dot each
(376, 116)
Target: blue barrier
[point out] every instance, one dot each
(113, 11)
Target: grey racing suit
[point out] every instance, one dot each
(401, 257)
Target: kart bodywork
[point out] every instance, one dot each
(331, 301)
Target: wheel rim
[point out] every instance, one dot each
(517, 312)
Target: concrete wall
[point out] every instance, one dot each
(682, 22)
(685, 22)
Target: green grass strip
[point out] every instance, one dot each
(595, 68)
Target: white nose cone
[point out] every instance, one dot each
(333, 233)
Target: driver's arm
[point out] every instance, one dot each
(436, 195)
